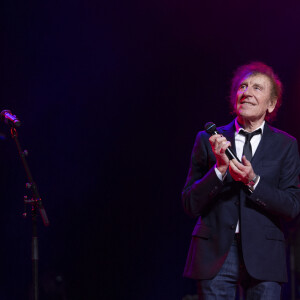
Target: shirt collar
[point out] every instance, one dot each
(238, 127)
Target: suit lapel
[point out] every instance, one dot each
(263, 146)
(228, 131)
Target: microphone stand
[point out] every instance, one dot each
(36, 206)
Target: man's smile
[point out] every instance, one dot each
(247, 102)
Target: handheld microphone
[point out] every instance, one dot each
(9, 118)
(211, 129)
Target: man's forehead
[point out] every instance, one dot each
(256, 78)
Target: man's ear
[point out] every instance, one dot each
(272, 105)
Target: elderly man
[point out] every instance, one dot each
(242, 204)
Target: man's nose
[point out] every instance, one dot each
(247, 91)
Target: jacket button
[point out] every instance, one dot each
(232, 226)
(237, 202)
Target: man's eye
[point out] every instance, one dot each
(242, 87)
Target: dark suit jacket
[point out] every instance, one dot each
(218, 206)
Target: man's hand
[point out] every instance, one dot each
(219, 144)
(241, 172)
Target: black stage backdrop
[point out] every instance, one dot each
(111, 95)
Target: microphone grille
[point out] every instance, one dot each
(210, 127)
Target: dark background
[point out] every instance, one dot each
(111, 95)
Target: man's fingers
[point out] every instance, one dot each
(233, 165)
(241, 172)
(236, 164)
(224, 146)
(219, 143)
(237, 168)
(245, 161)
(213, 138)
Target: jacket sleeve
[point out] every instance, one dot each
(283, 197)
(202, 183)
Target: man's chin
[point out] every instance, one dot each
(243, 113)
(242, 118)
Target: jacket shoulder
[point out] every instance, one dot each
(282, 134)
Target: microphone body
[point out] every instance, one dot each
(211, 129)
(8, 117)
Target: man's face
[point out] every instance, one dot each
(253, 98)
